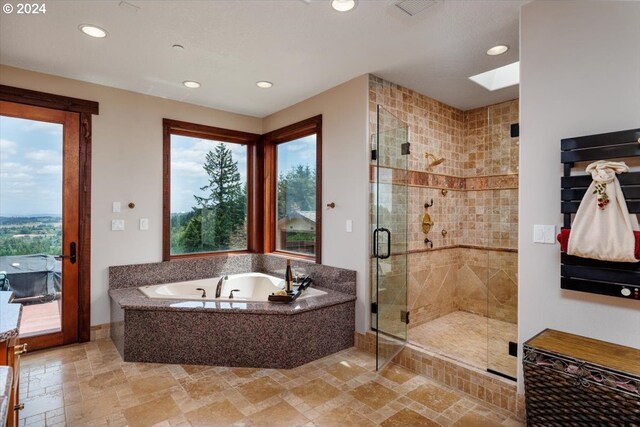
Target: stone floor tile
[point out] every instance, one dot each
(434, 397)
(88, 385)
(407, 417)
(374, 395)
(316, 392)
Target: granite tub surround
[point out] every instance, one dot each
(337, 279)
(281, 341)
(9, 316)
(136, 275)
(243, 334)
(126, 276)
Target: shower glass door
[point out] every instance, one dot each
(390, 153)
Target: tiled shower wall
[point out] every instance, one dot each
(474, 266)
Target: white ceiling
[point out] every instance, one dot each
(303, 47)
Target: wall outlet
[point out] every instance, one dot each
(144, 223)
(115, 207)
(349, 226)
(117, 225)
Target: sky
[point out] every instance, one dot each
(30, 167)
(188, 156)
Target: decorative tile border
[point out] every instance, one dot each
(475, 383)
(432, 180)
(482, 248)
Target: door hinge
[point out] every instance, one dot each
(374, 308)
(374, 154)
(404, 316)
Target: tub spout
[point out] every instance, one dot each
(219, 287)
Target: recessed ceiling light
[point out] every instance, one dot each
(93, 31)
(264, 84)
(343, 5)
(499, 78)
(498, 50)
(191, 84)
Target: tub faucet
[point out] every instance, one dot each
(219, 287)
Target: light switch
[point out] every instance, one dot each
(544, 234)
(538, 233)
(349, 226)
(117, 224)
(550, 234)
(115, 207)
(144, 223)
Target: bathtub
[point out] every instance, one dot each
(252, 287)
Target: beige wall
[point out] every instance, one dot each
(580, 75)
(344, 177)
(127, 167)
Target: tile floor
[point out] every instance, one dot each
(470, 338)
(89, 385)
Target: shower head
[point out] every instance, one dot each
(436, 161)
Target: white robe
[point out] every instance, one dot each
(604, 234)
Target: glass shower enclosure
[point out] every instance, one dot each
(389, 207)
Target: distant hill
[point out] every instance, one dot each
(21, 220)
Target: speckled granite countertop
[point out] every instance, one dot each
(9, 317)
(6, 376)
(133, 299)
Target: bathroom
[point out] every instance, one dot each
(475, 286)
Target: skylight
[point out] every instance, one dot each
(499, 78)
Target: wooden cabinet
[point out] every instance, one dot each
(10, 351)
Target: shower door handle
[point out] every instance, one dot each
(385, 230)
(375, 243)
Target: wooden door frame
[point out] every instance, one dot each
(85, 110)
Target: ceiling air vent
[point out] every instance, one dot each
(414, 7)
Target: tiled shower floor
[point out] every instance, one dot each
(463, 336)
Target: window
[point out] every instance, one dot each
(293, 182)
(218, 198)
(208, 189)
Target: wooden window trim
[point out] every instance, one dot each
(251, 140)
(85, 109)
(270, 141)
(48, 100)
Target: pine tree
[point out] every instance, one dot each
(297, 190)
(222, 211)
